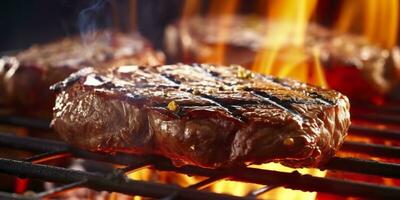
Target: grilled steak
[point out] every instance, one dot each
(26, 77)
(344, 56)
(209, 116)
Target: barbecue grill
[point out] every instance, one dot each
(35, 167)
(370, 153)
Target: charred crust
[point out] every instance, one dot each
(187, 117)
(58, 87)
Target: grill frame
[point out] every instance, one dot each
(116, 181)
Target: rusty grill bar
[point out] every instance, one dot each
(34, 167)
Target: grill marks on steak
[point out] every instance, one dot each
(201, 115)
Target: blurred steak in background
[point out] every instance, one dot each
(25, 78)
(372, 69)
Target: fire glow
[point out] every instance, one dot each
(295, 17)
(283, 53)
(278, 58)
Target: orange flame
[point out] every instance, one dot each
(225, 9)
(284, 54)
(243, 189)
(226, 186)
(163, 177)
(295, 62)
(190, 8)
(380, 20)
(293, 17)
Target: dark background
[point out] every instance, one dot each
(24, 23)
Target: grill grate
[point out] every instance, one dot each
(46, 150)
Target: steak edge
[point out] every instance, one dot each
(203, 115)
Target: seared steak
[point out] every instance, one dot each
(344, 56)
(204, 115)
(26, 77)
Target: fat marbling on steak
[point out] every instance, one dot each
(204, 115)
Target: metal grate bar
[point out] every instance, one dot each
(100, 182)
(372, 149)
(376, 117)
(47, 156)
(57, 190)
(13, 196)
(294, 181)
(387, 108)
(29, 143)
(264, 177)
(200, 185)
(137, 166)
(25, 122)
(364, 166)
(374, 132)
(262, 190)
(207, 182)
(171, 196)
